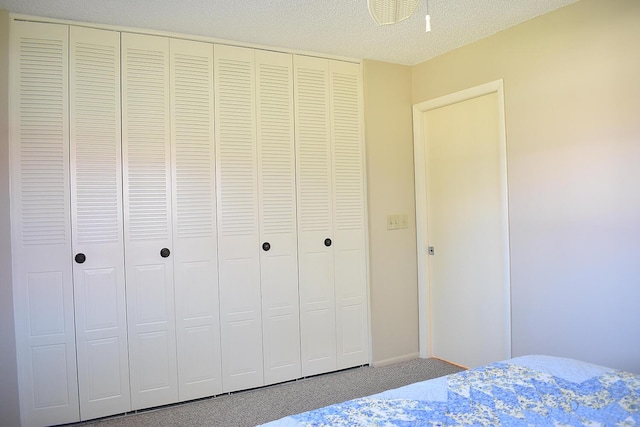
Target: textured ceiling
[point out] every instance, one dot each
(335, 27)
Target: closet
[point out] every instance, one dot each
(188, 219)
(331, 210)
(257, 217)
(169, 219)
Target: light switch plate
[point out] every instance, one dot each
(396, 222)
(392, 222)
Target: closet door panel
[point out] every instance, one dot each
(147, 219)
(277, 199)
(349, 214)
(351, 301)
(238, 233)
(194, 220)
(281, 330)
(98, 242)
(315, 215)
(41, 228)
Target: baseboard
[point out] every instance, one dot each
(452, 363)
(394, 360)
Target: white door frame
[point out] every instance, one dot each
(419, 143)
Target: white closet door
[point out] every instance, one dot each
(315, 219)
(41, 229)
(238, 234)
(349, 215)
(194, 220)
(277, 197)
(96, 207)
(147, 213)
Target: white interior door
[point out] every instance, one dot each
(349, 233)
(315, 215)
(41, 229)
(466, 225)
(96, 208)
(146, 156)
(238, 233)
(194, 220)
(277, 200)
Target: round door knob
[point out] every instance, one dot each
(266, 246)
(80, 258)
(164, 252)
(327, 242)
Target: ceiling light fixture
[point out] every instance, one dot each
(386, 12)
(428, 19)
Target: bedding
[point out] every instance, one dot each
(524, 391)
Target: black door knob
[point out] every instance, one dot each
(327, 242)
(80, 258)
(266, 246)
(164, 252)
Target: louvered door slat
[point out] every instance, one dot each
(313, 146)
(96, 202)
(277, 200)
(41, 228)
(194, 220)
(349, 213)
(314, 186)
(238, 234)
(146, 149)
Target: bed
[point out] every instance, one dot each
(528, 390)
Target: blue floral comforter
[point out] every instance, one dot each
(526, 391)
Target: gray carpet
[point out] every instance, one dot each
(249, 408)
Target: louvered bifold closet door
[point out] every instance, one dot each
(238, 234)
(146, 149)
(349, 214)
(277, 198)
(41, 226)
(96, 207)
(315, 215)
(194, 220)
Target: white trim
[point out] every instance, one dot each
(424, 333)
(365, 195)
(21, 17)
(424, 310)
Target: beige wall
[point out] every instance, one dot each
(9, 409)
(393, 271)
(572, 103)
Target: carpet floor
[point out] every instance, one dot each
(257, 406)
